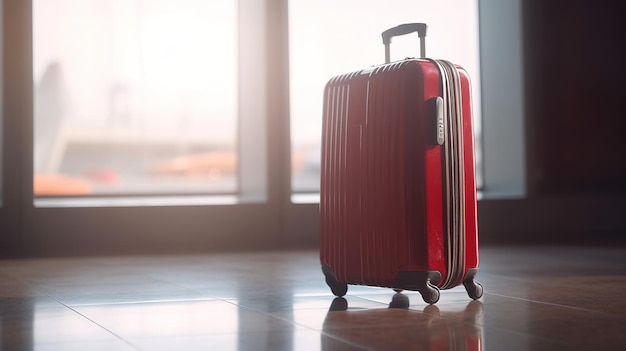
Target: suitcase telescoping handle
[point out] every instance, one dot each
(403, 29)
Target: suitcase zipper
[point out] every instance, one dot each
(454, 190)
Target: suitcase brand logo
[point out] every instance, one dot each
(440, 130)
(440, 134)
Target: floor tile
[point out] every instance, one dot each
(181, 319)
(25, 325)
(111, 345)
(536, 298)
(90, 295)
(276, 303)
(301, 340)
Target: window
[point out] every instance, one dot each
(135, 97)
(503, 100)
(333, 37)
(261, 214)
(113, 216)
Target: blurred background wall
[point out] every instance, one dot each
(574, 123)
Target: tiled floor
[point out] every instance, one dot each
(535, 299)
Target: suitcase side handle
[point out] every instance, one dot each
(403, 29)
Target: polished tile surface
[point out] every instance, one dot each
(536, 298)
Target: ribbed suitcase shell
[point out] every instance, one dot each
(381, 206)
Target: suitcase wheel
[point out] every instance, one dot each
(430, 293)
(474, 289)
(339, 289)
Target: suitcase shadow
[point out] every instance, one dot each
(400, 328)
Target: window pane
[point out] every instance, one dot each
(329, 37)
(135, 97)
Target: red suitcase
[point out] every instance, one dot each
(398, 188)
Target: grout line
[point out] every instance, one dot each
(321, 332)
(98, 324)
(140, 302)
(46, 294)
(553, 304)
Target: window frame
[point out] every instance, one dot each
(255, 221)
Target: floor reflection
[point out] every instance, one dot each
(280, 302)
(401, 327)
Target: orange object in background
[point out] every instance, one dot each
(56, 184)
(213, 163)
(102, 175)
